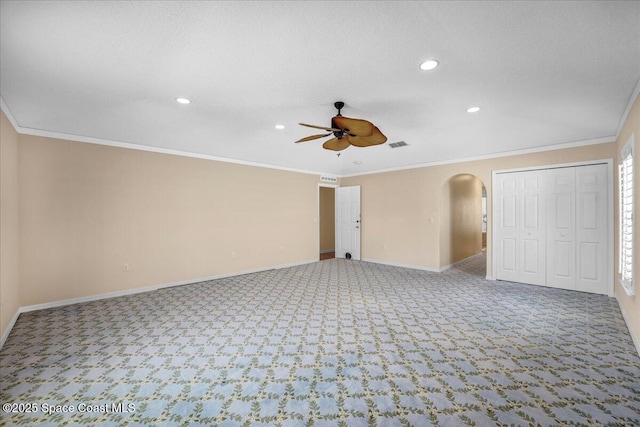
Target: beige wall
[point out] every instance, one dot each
(402, 210)
(461, 219)
(327, 219)
(86, 210)
(9, 265)
(630, 305)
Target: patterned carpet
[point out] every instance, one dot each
(333, 343)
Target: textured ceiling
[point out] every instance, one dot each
(544, 73)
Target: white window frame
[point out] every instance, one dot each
(626, 210)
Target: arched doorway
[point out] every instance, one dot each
(463, 221)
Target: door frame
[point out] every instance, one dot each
(610, 210)
(334, 186)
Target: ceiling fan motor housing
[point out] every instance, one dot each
(339, 106)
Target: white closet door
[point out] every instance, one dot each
(520, 232)
(591, 229)
(505, 220)
(561, 228)
(532, 235)
(552, 227)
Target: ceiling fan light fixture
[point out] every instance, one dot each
(347, 131)
(473, 109)
(184, 101)
(429, 64)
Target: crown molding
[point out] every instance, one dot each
(583, 143)
(632, 100)
(99, 141)
(5, 109)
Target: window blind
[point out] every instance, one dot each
(626, 218)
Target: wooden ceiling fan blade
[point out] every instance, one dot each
(312, 137)
(357, 127)
(336, 144)
(320, 127)
(376, 138)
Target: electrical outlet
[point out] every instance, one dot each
(125, 267)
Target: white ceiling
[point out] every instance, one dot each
(544, 73)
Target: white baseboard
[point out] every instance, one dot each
(460, 261)
(7, 331)
(628, 322)
(395, 264)
(153, 288)
(97, 297)
(423, 268)
(89, 298)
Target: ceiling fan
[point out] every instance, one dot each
(347, 131)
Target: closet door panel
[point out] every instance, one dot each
(532, 260)
(520, 227)
(561, 263)
(507, 223)
(592, 229)
(561, 226)
(531, 256)
(589, 270)
(509, 212)
(508, 259)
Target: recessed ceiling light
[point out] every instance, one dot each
(473, 109)
(429, 65)
(357, 162)
(183, 101)
(279, 127)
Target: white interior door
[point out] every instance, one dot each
(591, 229)
(533, 230)
(561, 228)
(348, 222)
(505, 221)
(520, 227)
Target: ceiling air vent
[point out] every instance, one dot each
(398, 144)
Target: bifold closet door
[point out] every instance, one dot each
(551, 227)
(561, 228)
(591, 229)
(520, 220)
